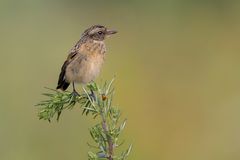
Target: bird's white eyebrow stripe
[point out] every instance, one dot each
(96, 30)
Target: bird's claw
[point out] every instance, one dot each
(92, 96)
(75, 94)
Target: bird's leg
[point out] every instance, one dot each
(92, 95)
(75, 93)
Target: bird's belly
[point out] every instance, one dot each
(87, 70)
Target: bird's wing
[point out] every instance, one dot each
(62, 83)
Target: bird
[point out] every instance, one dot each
(85, 59)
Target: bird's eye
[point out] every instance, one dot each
(100, 32)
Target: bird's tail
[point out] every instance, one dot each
(62, 83)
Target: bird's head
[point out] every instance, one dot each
(98, 32)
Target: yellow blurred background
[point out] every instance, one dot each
(177, 76)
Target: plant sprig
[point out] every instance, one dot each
(106, 132)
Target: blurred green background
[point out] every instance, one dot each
(177, 76)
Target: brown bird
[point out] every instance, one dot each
(85, 59)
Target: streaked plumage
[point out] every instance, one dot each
(85, 59)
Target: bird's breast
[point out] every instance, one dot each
(87, 65)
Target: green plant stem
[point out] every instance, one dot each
(109, 139)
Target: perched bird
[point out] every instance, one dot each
(85, 59)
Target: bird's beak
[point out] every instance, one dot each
(110, 32)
